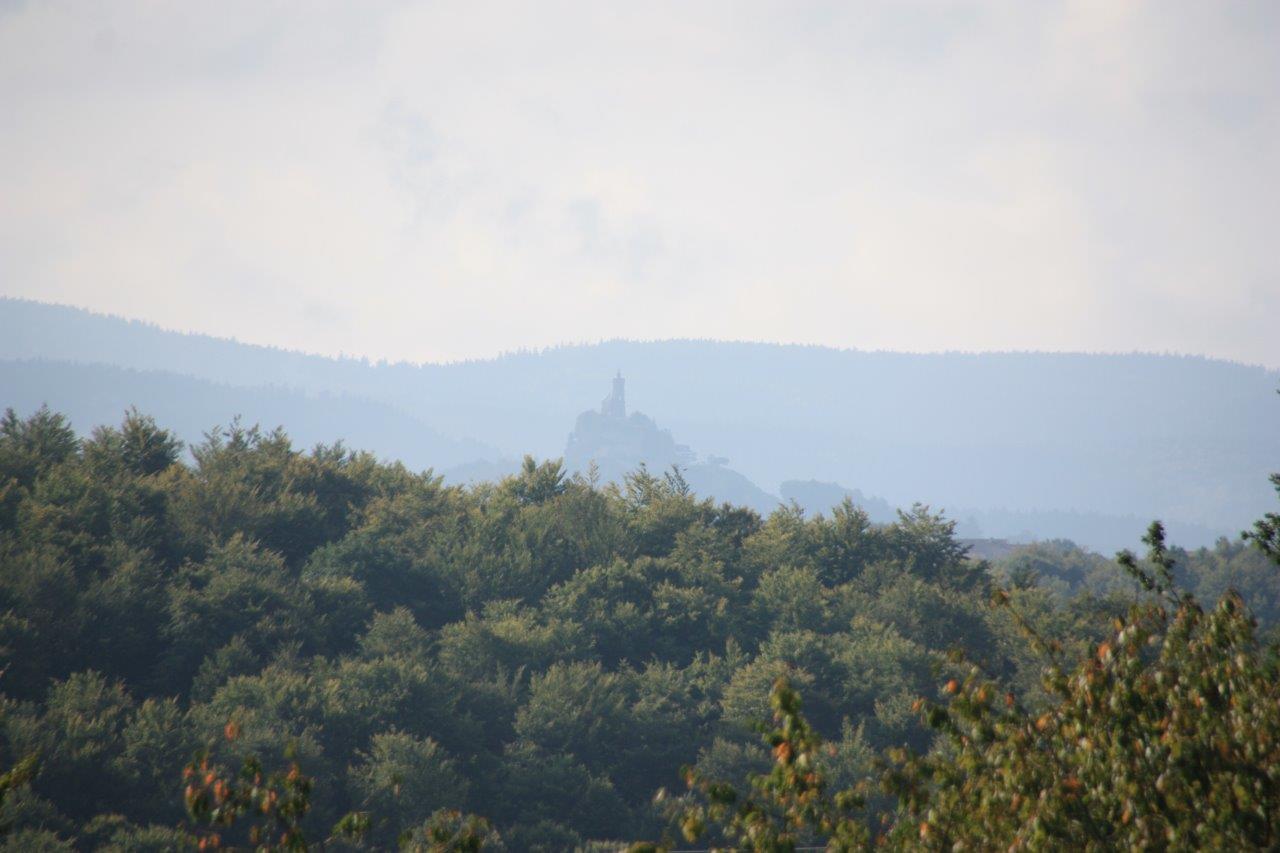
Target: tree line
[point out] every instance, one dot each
(265, 646)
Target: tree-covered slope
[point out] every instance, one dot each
(541, 651)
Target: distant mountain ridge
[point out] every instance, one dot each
(1182, 438)
(91, 395)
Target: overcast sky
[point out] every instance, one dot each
(448, 180)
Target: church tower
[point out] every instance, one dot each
(615, 405)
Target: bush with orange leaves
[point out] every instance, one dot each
(253, 807)
(1166, 736)
(450, 831)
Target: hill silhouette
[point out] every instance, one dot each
(1016, 435)
(92, 394)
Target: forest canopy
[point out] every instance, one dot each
(547, 653)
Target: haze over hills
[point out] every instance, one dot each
(1074, 445)
(97, 394)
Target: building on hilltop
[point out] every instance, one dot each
(616, 444)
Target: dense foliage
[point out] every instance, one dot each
(1167, 735)
(384, 655)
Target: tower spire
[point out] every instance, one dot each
(615, 405)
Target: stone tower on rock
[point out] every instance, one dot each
(615, 405)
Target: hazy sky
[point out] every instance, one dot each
(445, 180)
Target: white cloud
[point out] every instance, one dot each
(451, 180)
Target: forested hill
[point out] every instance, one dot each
(379, 650)
(1177, 437)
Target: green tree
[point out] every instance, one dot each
(402, 780)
